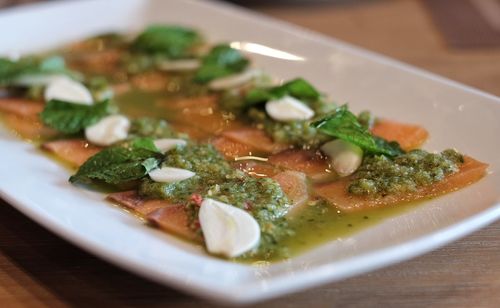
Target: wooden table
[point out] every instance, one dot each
(39, 269)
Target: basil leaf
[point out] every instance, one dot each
(344, 125)
(70, 118)
(298, 88)
(11, 70)
(119, 164)
(144, 143)
(221, 61)
(171, 41)
(391, 148)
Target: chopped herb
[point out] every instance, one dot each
(151, 127)
(381, 175)
(120, 164)
(344, 125)
(71, 118)
(221, 61)
(171, 41)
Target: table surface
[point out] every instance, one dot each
(40, 269)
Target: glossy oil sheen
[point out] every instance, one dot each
(312, 226)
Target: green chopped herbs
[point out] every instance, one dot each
(71, 118)
(297, 133)
(215, 178)
(381, 175)
(150, 127)
(344, 125)
(221, 61)
(120, 164)
(170, 41)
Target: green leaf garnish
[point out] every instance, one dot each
(145, 143)
(344, 125)
(12, 70)
(298, 88)
(221, 61)
(171, 41)
(120, 164)
(71, 118)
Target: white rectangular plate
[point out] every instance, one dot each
(456, 116)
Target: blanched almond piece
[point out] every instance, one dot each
(167, 144)
(346, 157)
(108, 130)
(170, 174)
(233, 81)
(287, 109)
(66, 89)
(227, 230)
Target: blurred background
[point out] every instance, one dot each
(459, 39)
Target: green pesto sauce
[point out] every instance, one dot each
(322, 223)
(283, 237)
(298, 133)
(215, 178)
(152, 127)
(380, 175)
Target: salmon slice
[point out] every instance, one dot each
(294, 185)
(192, 132)
(256, 139)
(21, 107)
(121, 88)
(97, 62)
(160, 213)
(150, 81)
(30, 128)
(312, 163)
(256, 169)
(336, 192)
(173, 218)
(230, 148)
(201, 113)
(206, 120)
(408, 136)
(22, 116)
(200, 102)
(132, 201)
(73, 151)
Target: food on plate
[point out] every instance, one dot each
(196, 141)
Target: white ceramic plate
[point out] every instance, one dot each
(456, 116)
